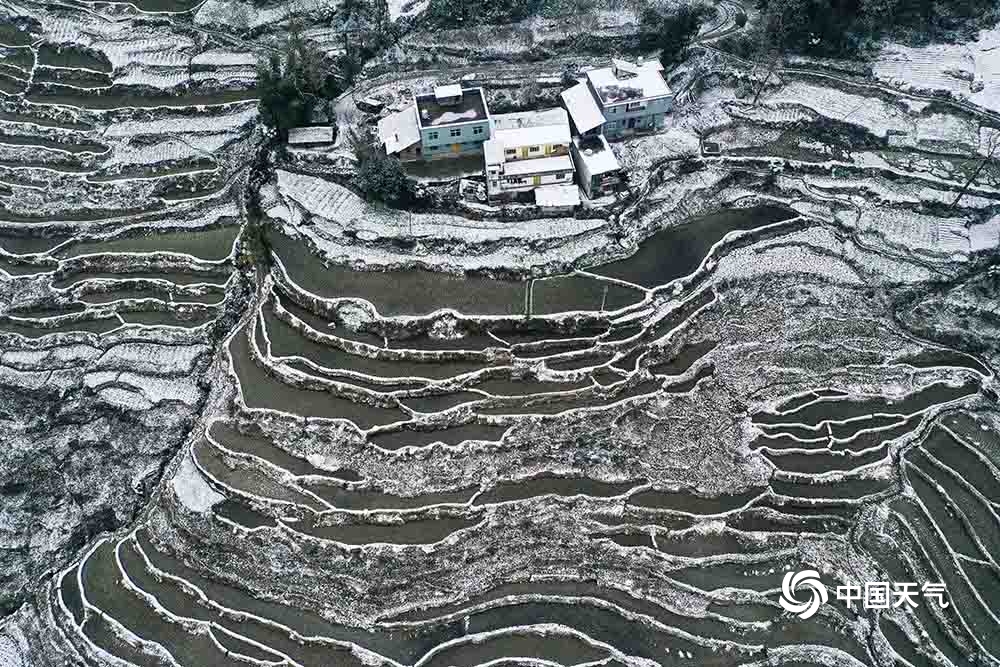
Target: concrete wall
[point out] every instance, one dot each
(509, 190)
(544, 150)
(649, 119)
(594, 186)
(440, 142)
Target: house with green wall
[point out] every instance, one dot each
(449, 122)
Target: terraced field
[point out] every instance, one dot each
(451, 487)
(119, 170)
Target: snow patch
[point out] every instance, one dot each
(969, 71)
(985, 236)
(192, 489)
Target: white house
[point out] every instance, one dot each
(449, 122)
(527, 150)
(597, 167)
(620, 100)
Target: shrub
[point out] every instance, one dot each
(844, 28)
(290, 83)
(671, 32)
(380, 177)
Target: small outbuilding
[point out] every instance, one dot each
(400, 133)
(557, 199)
(305, 137)
(596, 165)
(711, 148)
(369, 104)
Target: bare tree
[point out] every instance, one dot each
(993, 144)
(773, 31)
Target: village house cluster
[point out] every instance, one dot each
(547, 156)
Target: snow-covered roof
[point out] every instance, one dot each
(532, 128)
(446, 92)
(533, 136)
(519, 119)
(597, 155)
(310, 135)
(399, 131)
(624, 66)
(539, 165)
(582, 107)
(557, 196)
(646, 83)
(492, 152)
(465, 106)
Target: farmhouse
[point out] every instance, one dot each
(620, 100)
(449, 122)
(597, 167)
(527, 150)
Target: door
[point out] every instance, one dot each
(537, 180)
(631, 123)
(524, 151)
(456, 148)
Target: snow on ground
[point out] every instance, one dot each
(192, 489)
(947, 133)
(908, 231)
(641, 152)
(61, 355)
(10, 654)
(970, 71)
(153, 358)
(94, 380)
(209, 123)
(125, 399)
(135, 48)
(347, 211)
(173, 150)
(872, 113)
(797, 253)
(230, 77)
(157, 390)
(225, 58)
(29, 380)
(398, 8)
(864, 190)
(985, 236)
(510, 256)
(245, 15)
(142, 76)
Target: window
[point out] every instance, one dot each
(477, 129)
(431, 136)
(613, 110)
(510, 151)
(612, 124)
(534, 149)
(559, 177)
(456, 131)
(634, 106)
